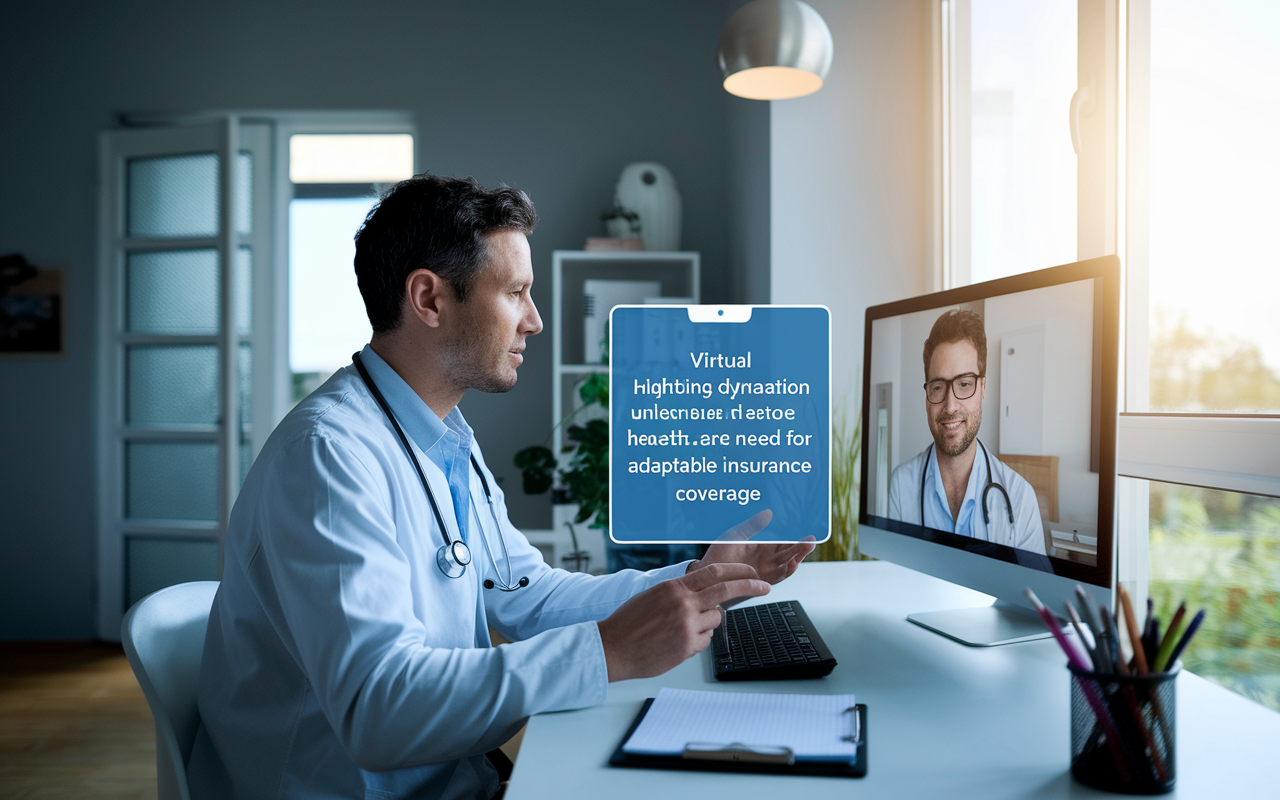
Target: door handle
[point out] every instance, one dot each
(1081, 103)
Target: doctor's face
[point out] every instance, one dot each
(954, 423)
(486, 340)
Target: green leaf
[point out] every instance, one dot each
(595, 389)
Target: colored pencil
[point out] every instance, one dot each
(1186, 637)
(1170, 639)
(1088, 688)
(1135, 638)
(1082, 631)
(1073, 655)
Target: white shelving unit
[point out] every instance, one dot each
(679, 275)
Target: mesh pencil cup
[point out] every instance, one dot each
(1123, 731)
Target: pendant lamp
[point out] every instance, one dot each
(774, 50)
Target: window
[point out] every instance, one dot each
(1013, 169)
(1214, 261)
(335, 180)
(1170, 112)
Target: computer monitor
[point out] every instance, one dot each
(996, 470)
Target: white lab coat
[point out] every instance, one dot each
(1027, 532)
(339, 660)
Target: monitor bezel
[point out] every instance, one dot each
(1107, 270)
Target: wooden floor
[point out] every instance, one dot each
(73, 724)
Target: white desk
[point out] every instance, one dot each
(944, 720)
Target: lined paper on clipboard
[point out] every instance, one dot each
(815, 727)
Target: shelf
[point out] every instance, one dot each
(676, 275)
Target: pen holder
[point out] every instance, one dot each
(1123, 731)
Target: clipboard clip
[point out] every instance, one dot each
(737, 751)
(856, 736)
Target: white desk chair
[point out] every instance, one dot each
(163, 636)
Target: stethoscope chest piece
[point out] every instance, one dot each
(453, 558)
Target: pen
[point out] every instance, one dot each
(1186, 637)
(1148, 634)
(1170, 638)
(1135, 638)
(1151, 640)
(1079, 626)
(1113, 642)
(1103, 657)
(1082, 630)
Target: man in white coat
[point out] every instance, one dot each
(955, 485)
(348, 652)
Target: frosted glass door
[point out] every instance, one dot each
(176, 357)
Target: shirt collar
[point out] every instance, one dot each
(977, 477)
(417, 419)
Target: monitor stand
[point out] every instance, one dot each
(986, 626)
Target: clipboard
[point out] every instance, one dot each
(740, 759)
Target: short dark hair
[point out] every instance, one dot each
(436, 223)
(957, 325)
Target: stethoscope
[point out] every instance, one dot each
(991, 484)
(454, 556)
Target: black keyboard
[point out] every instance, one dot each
(773, 641)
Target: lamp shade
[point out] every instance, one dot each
(774, 50)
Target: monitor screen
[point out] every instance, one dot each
(988, 426)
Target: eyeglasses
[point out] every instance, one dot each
(962, 386)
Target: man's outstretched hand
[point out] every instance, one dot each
(772, 562)
(666, 624)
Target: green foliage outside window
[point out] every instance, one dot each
(1205, 372)
(1221, 551)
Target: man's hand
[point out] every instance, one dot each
(662, 626)
(772, 562)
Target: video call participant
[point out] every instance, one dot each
(956, 485)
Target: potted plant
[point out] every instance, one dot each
(586, 479)
(621, 223)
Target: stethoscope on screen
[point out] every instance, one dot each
(991, 484)
(454, 556)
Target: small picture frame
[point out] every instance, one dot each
(32, 322)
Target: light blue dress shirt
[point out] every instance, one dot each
(1027, 532)
(339, 661)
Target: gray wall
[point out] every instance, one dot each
(850, 176)
(553, 98)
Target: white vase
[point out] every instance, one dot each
(650, 190)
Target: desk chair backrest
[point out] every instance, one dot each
(163, 636)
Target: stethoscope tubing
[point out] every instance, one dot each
(991, 484)
(453, 553)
